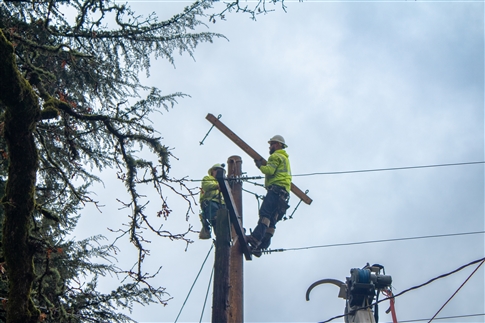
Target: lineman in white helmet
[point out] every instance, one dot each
(277, 173)
(211, 201)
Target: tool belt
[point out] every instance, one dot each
(204, 204)
(283, 200)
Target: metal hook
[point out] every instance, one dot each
(336, 282)
(202, 142)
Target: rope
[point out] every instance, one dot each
(212, 246)
(206, 294)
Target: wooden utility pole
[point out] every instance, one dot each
(221, 268)
(227, 300)
(236, 263)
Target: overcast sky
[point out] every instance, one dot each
(351, 85)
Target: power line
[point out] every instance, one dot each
(203, 263)
(246, 178)
(449, 299)
(436, 278)
(390, 169)
(375, 241)
(442, 318)
(206, 294)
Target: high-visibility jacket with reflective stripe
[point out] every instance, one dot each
(209, 190)
(277, 170)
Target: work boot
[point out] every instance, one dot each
(205, 233)
(266, 241)
(256, 252)
(252, 242)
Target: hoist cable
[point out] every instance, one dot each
(449, 299)
(212, 246)
(206, 294)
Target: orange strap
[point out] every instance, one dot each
(391, 309)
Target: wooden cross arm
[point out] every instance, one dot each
(252, 153)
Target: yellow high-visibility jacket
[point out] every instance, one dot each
(277, 170)
(209, 190)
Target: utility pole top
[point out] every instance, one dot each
(233, 212)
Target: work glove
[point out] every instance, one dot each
(258, 163)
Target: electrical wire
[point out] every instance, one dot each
(375, 241)
(412, 288)
(206, 294)
(362, 171)
(436, 278)
(258, 197)
(441, 318)
(390, 169)
(449, 299)
(254, 183)
(203, 263)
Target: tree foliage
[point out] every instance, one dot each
(70, 100)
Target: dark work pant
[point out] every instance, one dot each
(209, 210)
(268, 210)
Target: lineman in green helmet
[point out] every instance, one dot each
(277, 173)
(211, 201)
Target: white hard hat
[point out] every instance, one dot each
(215, 167)
(279, 139)
(218, 166)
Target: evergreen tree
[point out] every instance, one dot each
(70, 100)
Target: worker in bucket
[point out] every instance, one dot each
(211, 201)
(277, 173)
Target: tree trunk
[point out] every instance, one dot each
(21, 114)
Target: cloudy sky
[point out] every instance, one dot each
(351, 85)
